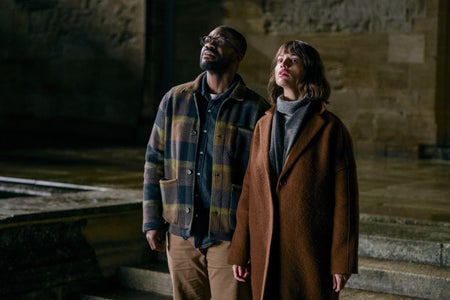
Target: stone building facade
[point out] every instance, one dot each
(96, 69)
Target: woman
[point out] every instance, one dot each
(297, 218)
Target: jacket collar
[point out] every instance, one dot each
(238, 93)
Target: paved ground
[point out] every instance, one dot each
(417, 189)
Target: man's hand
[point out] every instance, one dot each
(241, 273)
(156, 239)
(339, 281)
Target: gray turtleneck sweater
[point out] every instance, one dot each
(287, 122)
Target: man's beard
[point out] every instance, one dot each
(220, 64)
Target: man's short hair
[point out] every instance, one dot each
(241, 44)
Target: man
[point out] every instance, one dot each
(195, 163)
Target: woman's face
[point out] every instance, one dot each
(289, 71)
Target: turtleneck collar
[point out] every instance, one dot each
(289, 107)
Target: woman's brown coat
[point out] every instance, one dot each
(300, 230)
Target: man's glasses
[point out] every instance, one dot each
(218, 41)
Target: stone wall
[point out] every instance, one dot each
(98, 69)
(71, 68)
(380, 58)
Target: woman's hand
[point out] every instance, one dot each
(339, 281)
(241, 273)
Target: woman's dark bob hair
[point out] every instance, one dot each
(314, 84)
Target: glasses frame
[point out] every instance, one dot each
(207, 39)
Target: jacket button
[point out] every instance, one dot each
(194, 132)
(283, 182)
(188, 171)
(188, 210)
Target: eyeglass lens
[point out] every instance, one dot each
(218, 41)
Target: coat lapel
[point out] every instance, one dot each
(266, 127)
(311, 129)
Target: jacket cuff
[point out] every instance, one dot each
(154, 226)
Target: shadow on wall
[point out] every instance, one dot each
(70, 74)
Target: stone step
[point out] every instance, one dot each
(377, 280)
(407, 240)
(131, 283)
(148, 279)
(119, 293)
(153, 277)
(399, 259)
(353, 294)
(402, 278)
(127, 294)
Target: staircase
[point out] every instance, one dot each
(404, 257)
(400, 259)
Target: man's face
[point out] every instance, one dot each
(218, 53)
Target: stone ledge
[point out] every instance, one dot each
(55, 245)
(14, 210)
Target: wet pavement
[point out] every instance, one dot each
(416, 189)
(411, 189)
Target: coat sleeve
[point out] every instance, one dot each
(344, 250)
(240, 245)
(153, 172)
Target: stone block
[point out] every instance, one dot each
(420, 78)
(361, 128)
(446, 254)
(242, 9)
(392, 76)
(370, 49)
(400, 249)
(405, 48)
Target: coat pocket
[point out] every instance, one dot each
(169, 195)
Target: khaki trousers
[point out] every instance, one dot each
(202, 273)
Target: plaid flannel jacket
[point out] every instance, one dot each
(169, 172)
